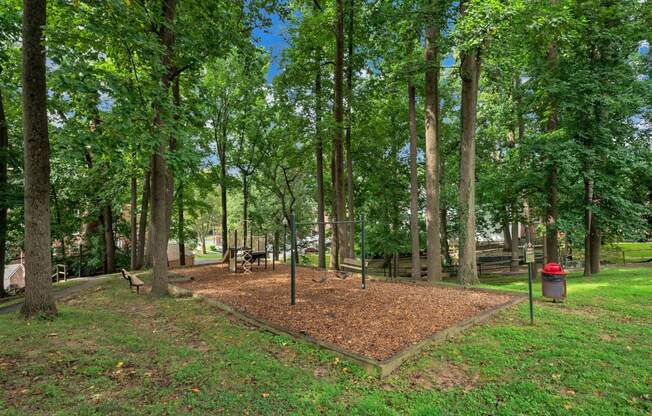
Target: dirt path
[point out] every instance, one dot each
(64, 293)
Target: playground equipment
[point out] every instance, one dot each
(245, 256)
(353, 265)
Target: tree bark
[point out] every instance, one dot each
(507, 236)
(133, 243)
(181, 232)
(443, 209)
(414, 183)
(36, 145)
(349, 151)
(588, 221)
(160, 191)
(319, 157)
(514, 248)
(109, 240)
(432, 164)
(470, 74)
(596, 243)
(221, 152)
(245, 209)
(552, 238)
(142, 225)
(4, 205)
(338, 166)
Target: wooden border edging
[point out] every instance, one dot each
(373, 367)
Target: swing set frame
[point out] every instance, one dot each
(294, 254)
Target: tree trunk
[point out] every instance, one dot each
(160, 190)
(349, 151)
(470, 74)
(514, 248)
(414, 183)
(133, 243)
(319, 156)
(443, 209)
(596, 243)
(340, 204)
(36, 145)
(507, 236)
(335, 246)
(172, 147)
(588, 220)
(245, 209)
(109, 240)
(142, 225)
(552, 238)
(432, 164)
(4, 150)
(182, 233)
(223, 177)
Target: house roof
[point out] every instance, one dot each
(10, 270)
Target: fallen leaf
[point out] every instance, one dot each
(195, 389)
(265, 394)
(119, 365)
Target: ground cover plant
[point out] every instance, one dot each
(114, 352)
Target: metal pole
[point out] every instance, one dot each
(293, 261)
(285, 242)
(529, 282)
(363, 254)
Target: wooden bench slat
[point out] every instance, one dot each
(133, 280)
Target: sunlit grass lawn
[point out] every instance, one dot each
(114, 352)
(210, 255)
(629, 252)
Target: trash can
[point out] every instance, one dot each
(553, 281)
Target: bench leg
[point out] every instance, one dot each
(138, 290)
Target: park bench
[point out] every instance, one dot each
(133, 280)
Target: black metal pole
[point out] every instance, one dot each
(285, 242)
(293, 261)
(529, 282)
(362, 252)
(529, 275)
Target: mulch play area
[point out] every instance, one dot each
(375, 322)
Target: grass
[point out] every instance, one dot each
(113, 352)
(210, 255)
(629, 252)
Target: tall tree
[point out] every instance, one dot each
(431, 57)
(338, 147)
(159, 169)
(319, 165)
(142, 223)
(4, 203)
(552, 239)
(133, 222)
(414, 182)
(349, 125)
(38, 283)
(470, 75)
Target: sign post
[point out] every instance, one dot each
(529, 259)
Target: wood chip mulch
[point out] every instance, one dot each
(376, 322)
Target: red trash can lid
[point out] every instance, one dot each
(553, 268)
